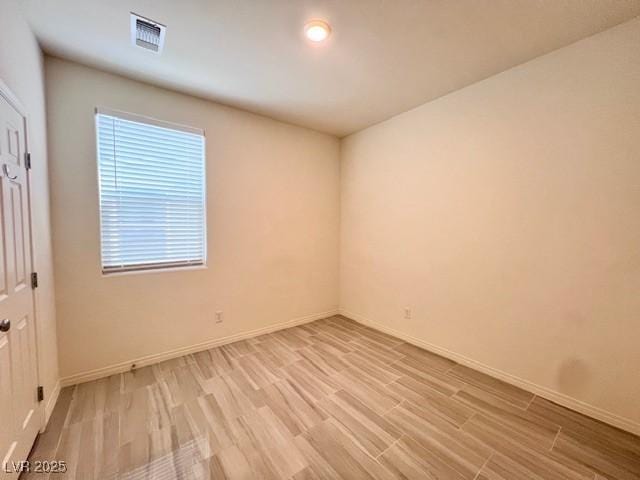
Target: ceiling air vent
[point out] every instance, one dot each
(146, 33)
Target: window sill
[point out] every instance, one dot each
(183, 268)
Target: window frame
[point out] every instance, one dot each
(156, 267)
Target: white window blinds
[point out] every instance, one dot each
(152, 193)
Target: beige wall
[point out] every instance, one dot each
(21, 69)
(506, 216)
(273, 219)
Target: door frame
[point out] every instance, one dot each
(14, 101)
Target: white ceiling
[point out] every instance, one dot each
(384, 57)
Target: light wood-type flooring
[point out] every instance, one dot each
(329, 399)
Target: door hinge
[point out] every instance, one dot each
(40, 393)
(27, 160)
(34, 280)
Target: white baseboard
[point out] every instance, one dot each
(51, 402)
(179, 352)
(544, 392)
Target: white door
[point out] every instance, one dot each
(19, 414)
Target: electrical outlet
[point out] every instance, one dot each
(407, 313)
(219, 316)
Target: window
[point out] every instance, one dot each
(152, 193)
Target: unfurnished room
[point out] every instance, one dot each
(319, 239)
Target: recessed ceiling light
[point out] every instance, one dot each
(317, 30)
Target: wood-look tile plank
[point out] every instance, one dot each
(310, 380)
(69, 449)
(141, 377)
(307, 330)
(260, 369)
(417, 369)
(588, 430)
(183, 384)
(292, 338)
(334, 451)
(192, 441)
(371, 350)
(448, 445)
(327, 364)
(517, 396)
(114, 388)
(238, 349)
(525, 465)
(137, 455)
(333, 331)
(318, 467)
(231, 400)
(157, 455)
(136, 415)
(295, 411)
(496, 434)
(82, 405)
(365, 427)
(214, 362)
(523, 450)
(47, 443)
(409, 460)
(382, 339)
(345, 322)
(429, 359)
(206, 419)
(537, 429)
(227, 429)
(86, 467)
(331, 344)
(608, 462)
(107, 431)
(171, 364)
(370, 368)
(345, 326)
(375, 396)
(328, 351)
(231, 464)
(277, 352)
(422, 394)
(308, 473)
(242, 381)
(273, 443)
